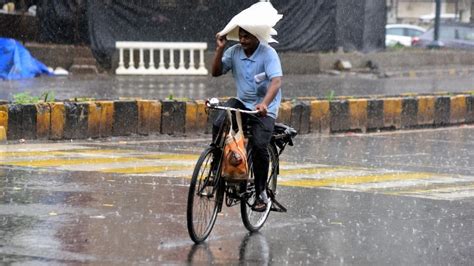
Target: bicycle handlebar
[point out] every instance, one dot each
(211, 105)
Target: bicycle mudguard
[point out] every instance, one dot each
(276, 206)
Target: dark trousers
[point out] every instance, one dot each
(261, 129)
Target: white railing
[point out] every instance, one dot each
(166, 51)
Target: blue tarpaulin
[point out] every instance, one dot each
(17, 63)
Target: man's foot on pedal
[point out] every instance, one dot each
(262, 203)
(259, 206)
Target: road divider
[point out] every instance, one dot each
(98, 119)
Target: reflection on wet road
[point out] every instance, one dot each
(352, 199)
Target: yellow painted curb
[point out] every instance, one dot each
(43, 120)
(93, 120)
(320, 116)
(201, 120)
(392, 110)
(3, 134)
(458, 109)
(58, 120)
(106, 118)
(358, 114)
(4, 117)
(149, 116)
(426, 110)
(190, 123)
(284, 113)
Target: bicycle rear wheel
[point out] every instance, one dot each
(254, 220)
(203, 198)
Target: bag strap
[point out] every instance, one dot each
(229, 114)
(238, 117)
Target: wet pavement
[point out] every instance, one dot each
(392, 198)
(162, 87)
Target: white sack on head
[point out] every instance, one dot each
(258, 19)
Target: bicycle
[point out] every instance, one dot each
(208, 190)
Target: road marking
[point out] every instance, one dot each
(23, 154)
(69, 161)
(41, 147)
(172, 156)
(447, 188)
(402, 155)
(406, 184)
(134, 162)
(144, 169)
(299, 170)
(337, 181)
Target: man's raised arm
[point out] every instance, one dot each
(217, 62)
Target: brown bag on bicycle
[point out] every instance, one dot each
(234, 165)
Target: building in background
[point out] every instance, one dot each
(422, 12)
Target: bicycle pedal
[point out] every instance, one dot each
(205, 194)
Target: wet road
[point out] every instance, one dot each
(393, 198)
(158, 87)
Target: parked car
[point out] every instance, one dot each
(401, 34)
(451, 35)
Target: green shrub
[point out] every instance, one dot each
(26, 98)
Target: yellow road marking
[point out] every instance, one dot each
(183, 162)
(172, 156)
(145, 169)
(75, 161)
(335, 181)
(452, 188)
(97, 151)
(57, 152)
(29, 153)
(310, 171)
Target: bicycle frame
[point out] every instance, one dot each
(208, 184)
(219, 142)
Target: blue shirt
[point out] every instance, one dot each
(252, 74)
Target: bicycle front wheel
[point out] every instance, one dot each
(254, 220)
(203, 198)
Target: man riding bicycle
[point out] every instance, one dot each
(257, 73)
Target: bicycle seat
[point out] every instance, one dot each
(283, 134)
(282, 128)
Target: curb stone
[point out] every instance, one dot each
(97, 119)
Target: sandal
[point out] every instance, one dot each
(259, 206)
